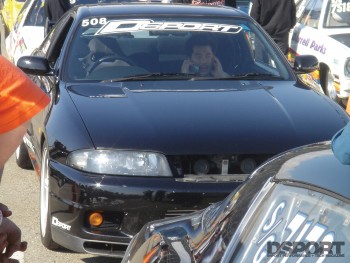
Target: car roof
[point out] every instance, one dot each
(135, 9)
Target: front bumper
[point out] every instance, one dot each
(126, 203)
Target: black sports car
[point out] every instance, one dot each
(136, 131)
(295, 208)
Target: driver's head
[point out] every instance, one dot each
(96, 50)
(201, 52)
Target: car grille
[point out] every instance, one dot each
(106, 248)
(215, 164)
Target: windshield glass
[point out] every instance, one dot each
(298, 216)
(115, 49)
(337, 14)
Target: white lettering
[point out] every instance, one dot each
(171, 26)
(150, 26)
(210, 27)
(191, 26)
(271, 222)
(94, 21)
(56, 222)
(138, 25)
(121, 26)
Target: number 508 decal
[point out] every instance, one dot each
(94, 21)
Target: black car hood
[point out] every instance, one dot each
(164, 116)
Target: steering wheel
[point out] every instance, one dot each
(110, 58)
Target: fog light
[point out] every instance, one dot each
(248, 165)
(201, 167)
(96, 219)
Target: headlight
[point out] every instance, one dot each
(347, 67)
(120, 162)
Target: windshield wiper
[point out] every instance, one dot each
(187, 76)
(257, 76)
(152, 76)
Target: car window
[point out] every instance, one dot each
(36, 15)
(311, 13)
(337, 14)
(105, 49)
(299, 216)
(45, 45)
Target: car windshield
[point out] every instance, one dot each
(158, 48)
(298, 216)
(337, 14)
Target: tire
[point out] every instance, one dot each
(22, 157)
(45, 210)
(327, 85)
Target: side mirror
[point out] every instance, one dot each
(304, 64)
(34, 65)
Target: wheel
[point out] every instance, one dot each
(327, 85)
(109, 59)
(22, 157)
(45, 210)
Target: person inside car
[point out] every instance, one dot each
(202, 60)
(99, 48)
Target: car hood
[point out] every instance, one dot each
(196, 118)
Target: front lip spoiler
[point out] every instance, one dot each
(97, 247)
